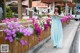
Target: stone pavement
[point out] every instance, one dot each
(69, 34)
(75, 47)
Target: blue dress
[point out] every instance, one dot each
(56, 31)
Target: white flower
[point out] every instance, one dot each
(42, 28)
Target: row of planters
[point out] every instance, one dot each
(66, 19)
(23, 36)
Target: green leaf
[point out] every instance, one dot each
(19, 35)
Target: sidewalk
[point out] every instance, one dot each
(75, 47)
(69, 33)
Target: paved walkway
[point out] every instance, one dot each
(69, 34)
(76, 43)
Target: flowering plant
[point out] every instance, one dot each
(45, 26)
(9, 20)
(15, 31)
(37, 29)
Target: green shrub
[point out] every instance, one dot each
(9, 12)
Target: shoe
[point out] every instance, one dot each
(59, 47)
(55, 46)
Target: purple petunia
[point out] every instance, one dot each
(23, 42)
(21, 30)
(8, 32)
(26, 42)
(29, 31)
(9, 38)
(15, 31)
(14, 35)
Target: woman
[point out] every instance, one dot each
(56, 30)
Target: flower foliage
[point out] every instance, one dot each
(37, 29)
(15, 31)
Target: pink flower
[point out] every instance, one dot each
(29, 31)
(10, 39)
(14, 35)
(45, 27)
(22, 42)
(13, 19)
(3, 21)
(37, 29)
(26, 42)
(9, 20)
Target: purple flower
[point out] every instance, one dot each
(6, 38)
(26, 42)
(13, 28)
(17, 25)
(25, 34)
(7, 31)
(22, 42)
(10, 26)
(13, 31)
(29, 31)
(17, 29)
(8, 34)
(21, 30)
(14, 35)
(10, 39)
